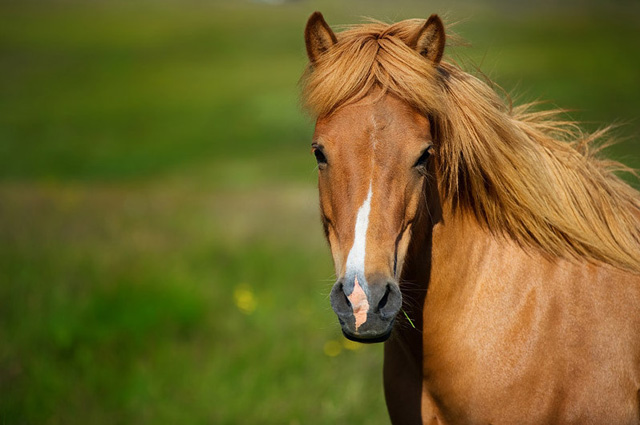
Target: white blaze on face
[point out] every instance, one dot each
(355, 259)
(355, 262)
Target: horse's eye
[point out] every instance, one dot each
(320, 158)
(422, 160)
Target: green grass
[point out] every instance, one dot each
(161, 257)
(123, 308)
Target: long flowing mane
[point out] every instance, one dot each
(525, 174)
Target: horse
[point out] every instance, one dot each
(492, 248)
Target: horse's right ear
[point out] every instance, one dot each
(429, 39)
(318, 36)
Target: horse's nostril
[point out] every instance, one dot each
(385, 298)
(339, 300)
(391, 301)
(346, 299)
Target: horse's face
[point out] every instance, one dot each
(372, 161)
(372, 158)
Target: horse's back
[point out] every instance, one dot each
(513, 337)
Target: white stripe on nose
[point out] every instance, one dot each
(355, 259)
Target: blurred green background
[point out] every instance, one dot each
(161, 257)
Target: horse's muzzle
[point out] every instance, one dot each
(366, 311)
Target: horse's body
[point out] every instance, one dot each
(510, 336)
(516, 256)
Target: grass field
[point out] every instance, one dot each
(161, 259)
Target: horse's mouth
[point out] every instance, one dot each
(369, 338)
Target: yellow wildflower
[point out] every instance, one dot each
(245, 299)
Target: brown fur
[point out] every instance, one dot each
(516, 248)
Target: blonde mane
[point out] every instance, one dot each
(525, 174)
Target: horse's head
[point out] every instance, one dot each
(373, 158)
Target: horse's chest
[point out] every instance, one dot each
(465, 376)
(517, 365)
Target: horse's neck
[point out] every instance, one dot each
(437, 249)
(462, 249)
(442, 243)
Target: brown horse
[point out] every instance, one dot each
(492, 245)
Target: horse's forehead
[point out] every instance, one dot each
(383, 120)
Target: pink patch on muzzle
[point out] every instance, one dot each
(359, 303)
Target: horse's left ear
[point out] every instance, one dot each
(429, 39)
(318, 36)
